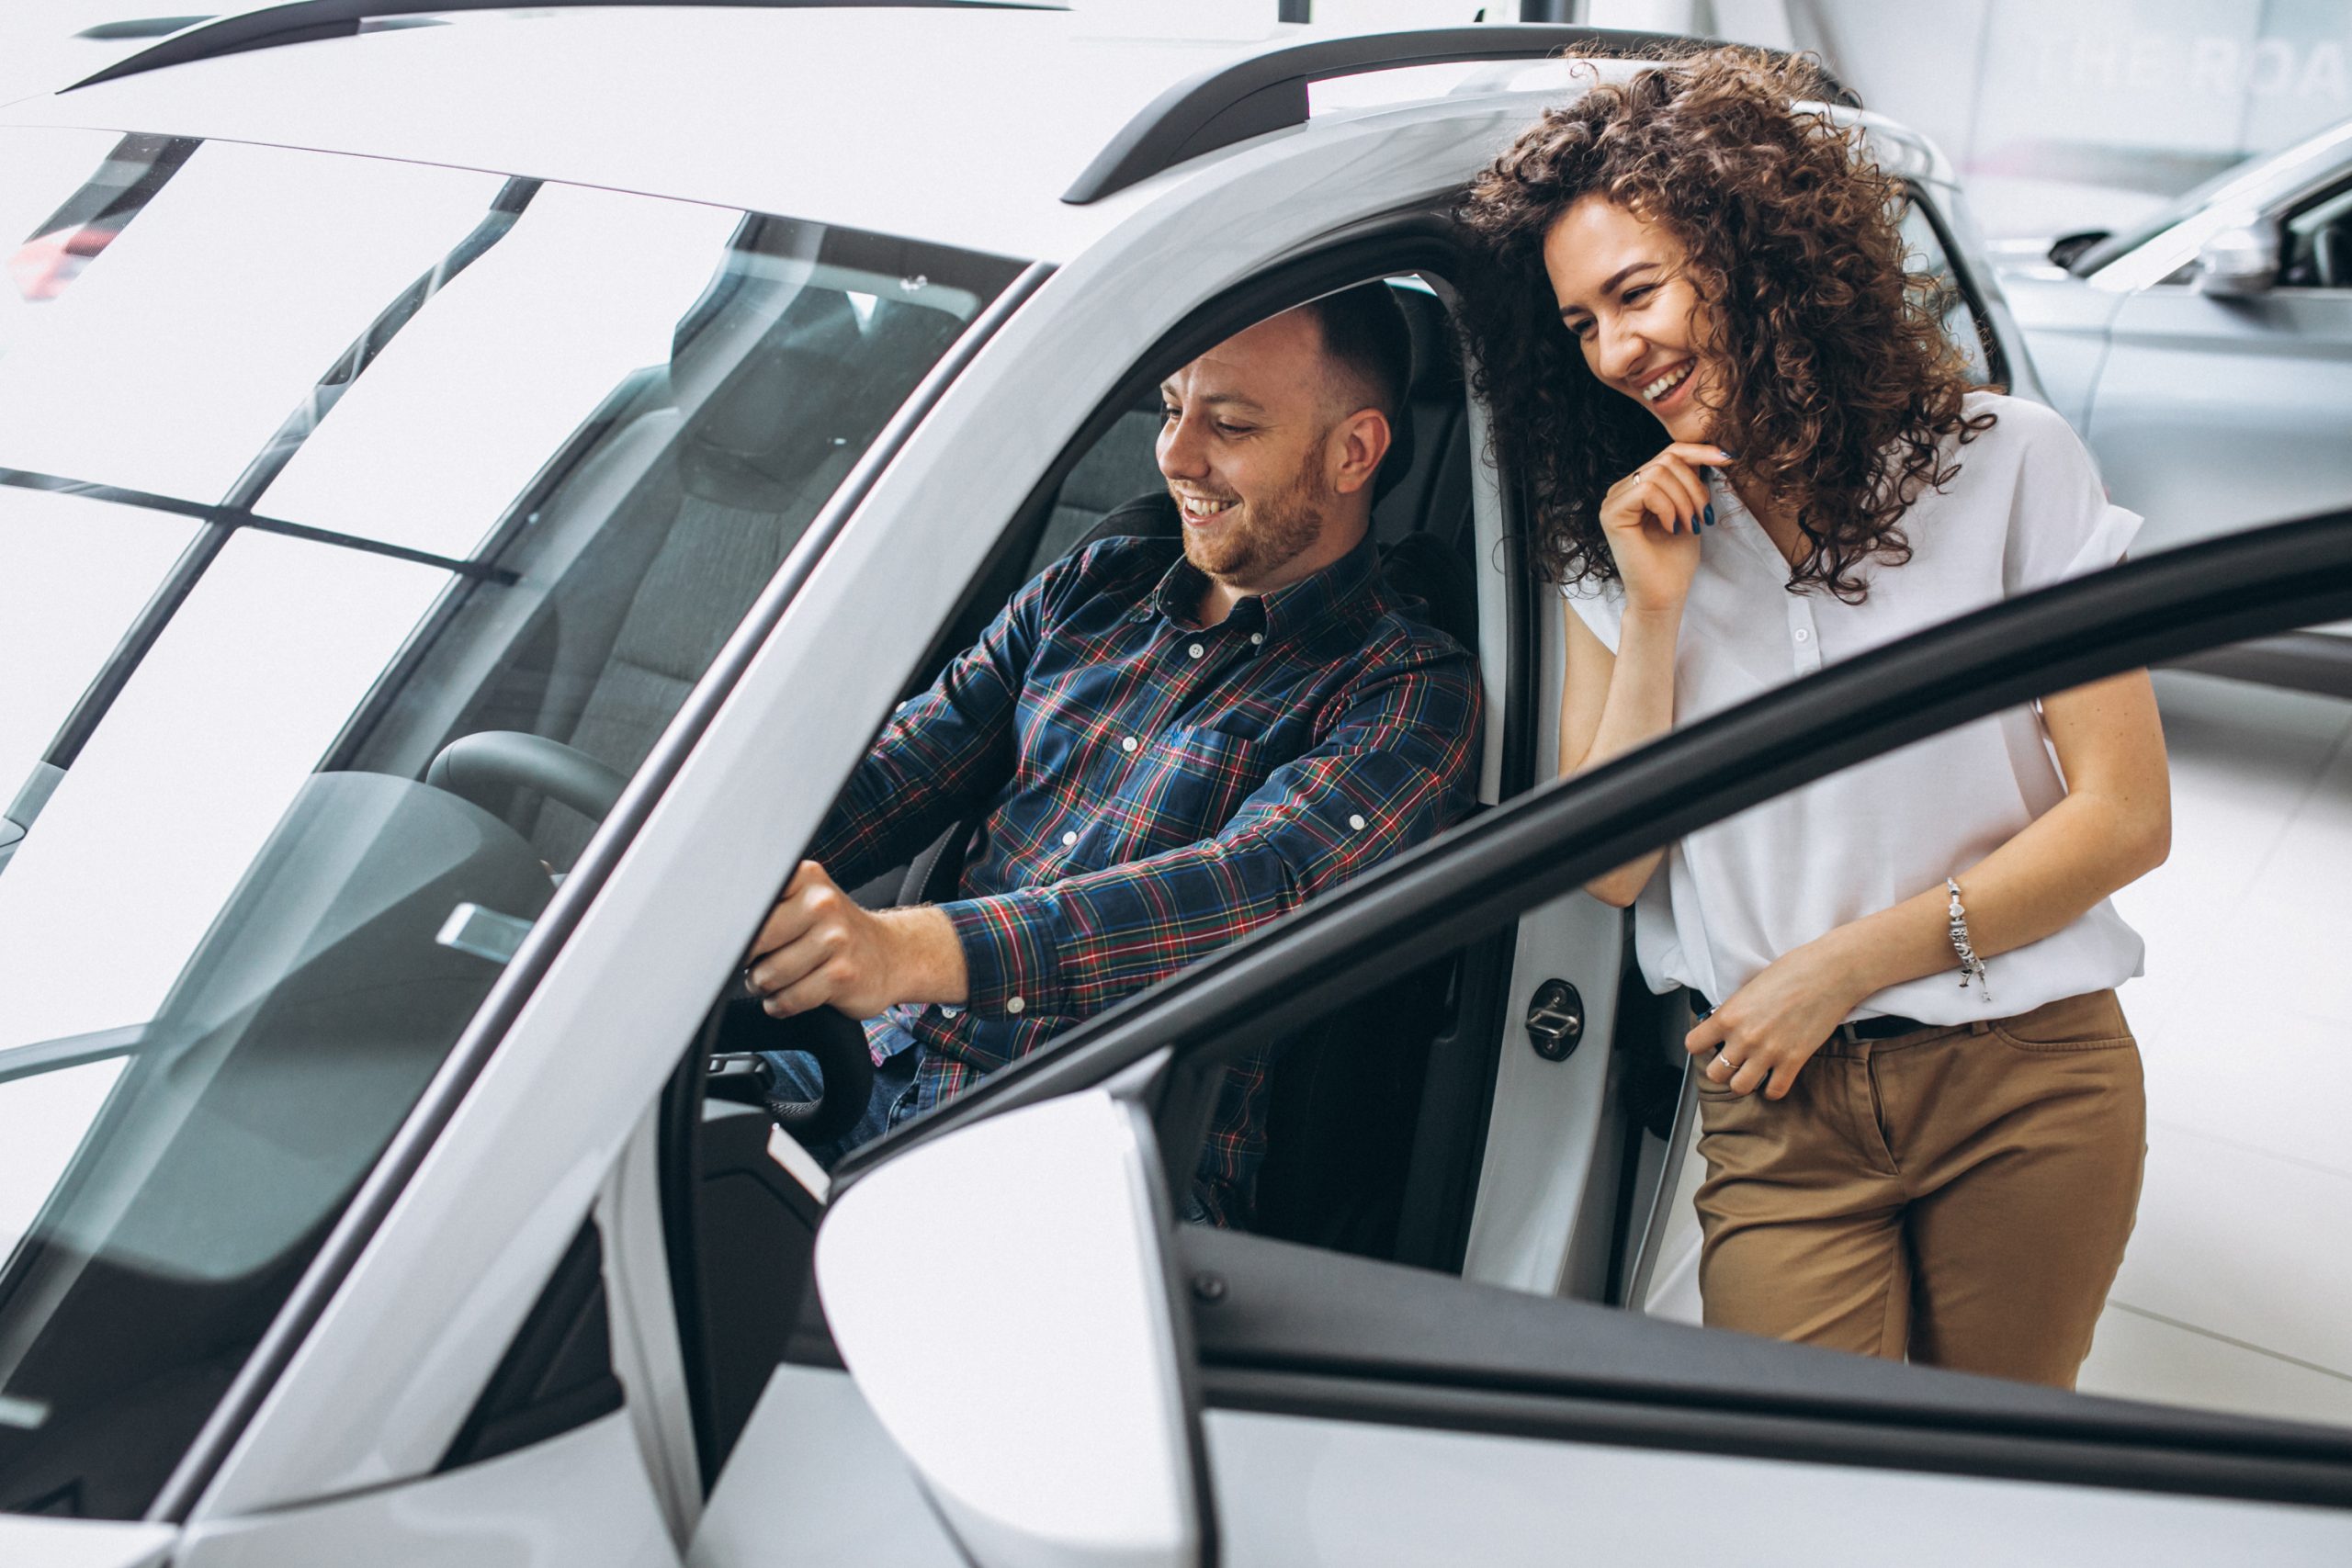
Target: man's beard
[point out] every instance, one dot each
(1278, 531)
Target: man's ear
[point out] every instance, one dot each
(1357, 444)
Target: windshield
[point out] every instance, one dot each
(2125, 240)
(2252, 178)
(310, 466)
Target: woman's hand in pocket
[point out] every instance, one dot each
(1652, 519)
(1771, 1027)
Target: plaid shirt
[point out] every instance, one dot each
(1149, 789)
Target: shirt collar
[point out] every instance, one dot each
(1288, 611)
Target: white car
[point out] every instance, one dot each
(552, 444)
(2205, 354)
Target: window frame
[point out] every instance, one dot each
(2168, 607)
(1415, 239)
(1972, 294)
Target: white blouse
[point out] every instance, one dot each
(2026, 510)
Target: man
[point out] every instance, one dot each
(1170, 743)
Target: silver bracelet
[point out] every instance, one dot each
(1971, 966)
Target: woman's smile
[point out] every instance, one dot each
(1661, 391)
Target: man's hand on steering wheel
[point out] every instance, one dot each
(818, 947)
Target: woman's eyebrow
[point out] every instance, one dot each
(1620, 275)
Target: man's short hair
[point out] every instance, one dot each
(1365, 337)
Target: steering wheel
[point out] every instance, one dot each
(480, 768)
(742, 1029)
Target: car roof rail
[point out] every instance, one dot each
(300, 21)
(1268, 91)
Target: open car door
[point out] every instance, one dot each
(1298, 1406)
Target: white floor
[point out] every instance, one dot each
(2236, 1291)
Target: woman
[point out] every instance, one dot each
(1752, 452)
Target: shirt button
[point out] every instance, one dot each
(1128, 744)
(949, 1010)
(1014, 1004)
(1196, 650)
(1803, 636)
(1356, 822)
(1257, 637)
(1069, 839)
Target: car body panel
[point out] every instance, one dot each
(1550, 1148)
(813, 1454)
(1302, 1493)
(934, 152)
(2216, 414)
(83, 1543)
(578, 1498)
(2065, 328)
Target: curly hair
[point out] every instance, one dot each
(1843, 387)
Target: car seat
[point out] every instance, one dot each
(772, 409)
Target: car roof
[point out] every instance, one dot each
(963, 127)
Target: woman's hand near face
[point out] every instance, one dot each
(1652, 518)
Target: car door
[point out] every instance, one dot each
(1355, 1412)
(2215, 412)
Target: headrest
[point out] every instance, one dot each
(781, 411)
(1436, 377)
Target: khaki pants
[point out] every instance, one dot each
(1960, 1195)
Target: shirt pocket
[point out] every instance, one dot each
(1182, 787)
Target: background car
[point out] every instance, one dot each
(2205, 354)
(455, 558)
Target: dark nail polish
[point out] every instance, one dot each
(1729, 456)
(1711, 514)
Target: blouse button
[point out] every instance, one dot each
(1196, 650)
(1356, 822)
(1128, 744)
(1256, 637)
(1014, 1004)
(1069, 839)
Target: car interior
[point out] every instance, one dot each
(2319, 243)
(1346, 1157)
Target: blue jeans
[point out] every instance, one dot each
(892, 1102)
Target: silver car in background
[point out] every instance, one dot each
(2206, 356)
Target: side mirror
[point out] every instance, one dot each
(2066, 247)
(1001, 1297)
(2239, 261)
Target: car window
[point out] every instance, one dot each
(2217, 1300)
(310, 466)
(2164, 1248)
(2316, 243)
(2123, 241)
(1936, 276)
